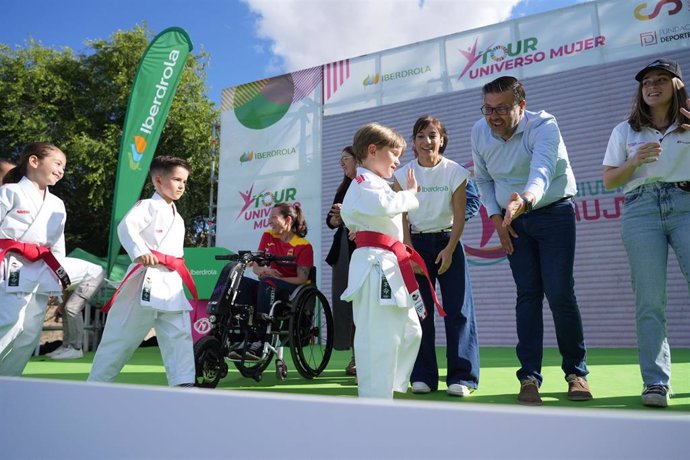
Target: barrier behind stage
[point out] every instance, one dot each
(122, 421)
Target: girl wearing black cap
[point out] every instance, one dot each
(649, 156)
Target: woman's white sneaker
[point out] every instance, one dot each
(458, 389)
(420, 388)
(57, 351)
(68, 353)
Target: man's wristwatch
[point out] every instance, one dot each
(528, 204)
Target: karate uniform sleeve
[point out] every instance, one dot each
(58, 247)
(131, 227)
(381, 200)
(6, 202)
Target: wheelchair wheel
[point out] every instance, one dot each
(209, 363)
(311, 333)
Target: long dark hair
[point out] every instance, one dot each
(299, 225)
(641, 115)
(37, 149)
(346, 180)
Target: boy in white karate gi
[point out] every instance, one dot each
(388, 331)
(151, 295)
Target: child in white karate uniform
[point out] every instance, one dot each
(388, 332)
(32, 244)
(152, 294)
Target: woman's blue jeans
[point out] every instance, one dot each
(462, 349)
(655, 216)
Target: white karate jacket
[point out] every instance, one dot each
(153, 224)
(28, 217)
(370, 204)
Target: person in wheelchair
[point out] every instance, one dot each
(285, 237)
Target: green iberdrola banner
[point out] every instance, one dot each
(152, 93)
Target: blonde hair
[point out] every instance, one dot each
(378, 135)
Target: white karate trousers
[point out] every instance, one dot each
(126, 326)
(387, 340)
(21, 324)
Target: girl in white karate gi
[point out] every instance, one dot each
(388, 332)
(152, 295)
(29, 214)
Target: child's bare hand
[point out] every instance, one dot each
(411, 181)
(147, 260)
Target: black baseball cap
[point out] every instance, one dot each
(668, 65)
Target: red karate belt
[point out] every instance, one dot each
(175, 264)
(34, 252)
(405, 256)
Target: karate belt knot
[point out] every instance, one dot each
(34, 252)
(405, 256)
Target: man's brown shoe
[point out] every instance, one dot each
(578, 388)
(529, 392)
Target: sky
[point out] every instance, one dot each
(249, 40)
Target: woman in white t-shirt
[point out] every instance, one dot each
(649, 155)
(434, 231)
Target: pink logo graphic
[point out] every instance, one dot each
(471, 56)
(484, 255)
(334, 76)
(247, 197)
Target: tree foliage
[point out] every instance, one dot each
(78, 102)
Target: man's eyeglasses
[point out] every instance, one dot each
(502, 110)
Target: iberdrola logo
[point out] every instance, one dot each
(368, 80)
(246, 157)
(138, 148)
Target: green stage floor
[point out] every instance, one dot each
(614, 378)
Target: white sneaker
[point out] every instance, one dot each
(68, 353)
(458, 389)
(57, 351)
(420, 388)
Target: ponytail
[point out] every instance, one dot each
(37, 149)
(299, 225)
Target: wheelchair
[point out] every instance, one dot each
(301, 320)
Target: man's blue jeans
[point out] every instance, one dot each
(542, 265)
(655, 216)
(462, 349)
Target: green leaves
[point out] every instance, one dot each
(78, 102)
